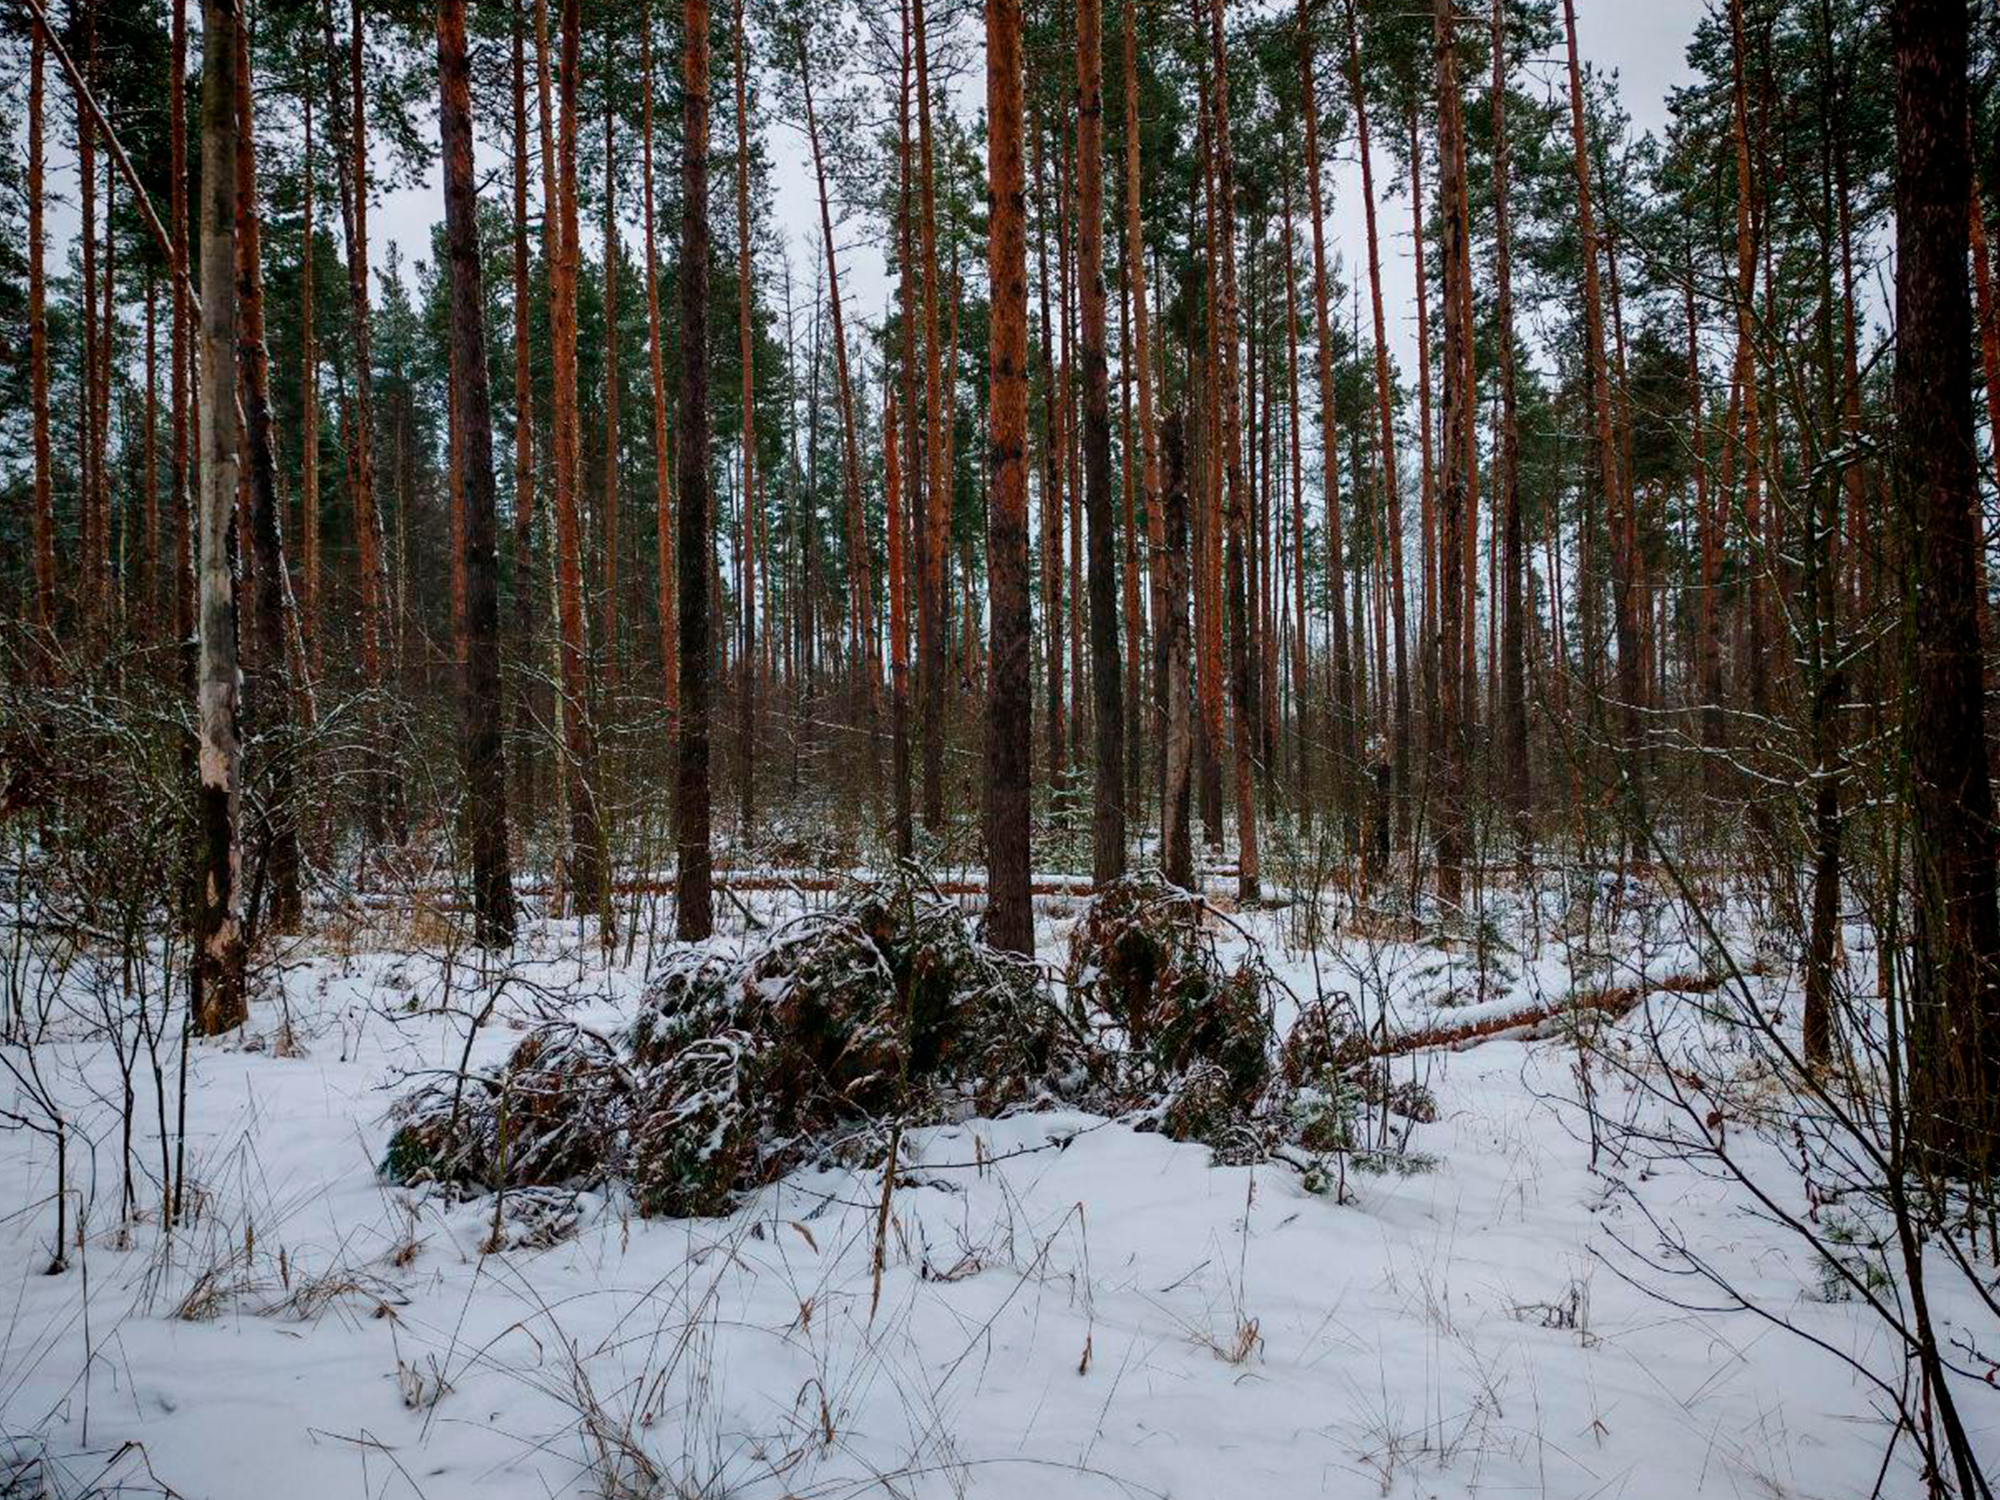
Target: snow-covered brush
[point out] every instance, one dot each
(882, 1006)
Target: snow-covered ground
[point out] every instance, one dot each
(1067, 1306)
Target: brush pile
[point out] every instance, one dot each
(886, 1008)
(742, 1066)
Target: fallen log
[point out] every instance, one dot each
(1528, 1020)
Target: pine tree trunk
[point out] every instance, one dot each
(663, 489)
(1149, 441)
(385, 816)
(588, 874)
(279, 682)
(746, 706)
(309, 556)
(1009, 913)
(611, 526)
(1708, 522)
(1052, 490)
(1295, 549)
(484, 748)
(1207, 522)
(694, 915)
(1988, 317)
(523, 614)
(545, 651)
(183, 328)
(1240, 663)
(1135, 644)
(899, 627)
(1107, 825)
(110, 568)
(1617, 504)
(1176, 810)
(1429, 648)
(94, 574)
(1386, 455)
(1517, 788)
(899, 452)
(1955, 1001)
(1347, 707)
(1448, 754)
(1067, 369)
(218, 999)
(38, 357)
(1754, 668)
(867, 665)
(936, 507)
(149, 542)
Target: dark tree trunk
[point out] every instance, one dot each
(1176, 810)
(610, 526)
(1754, 668)
(588, 874)
(1346, 699)
(1448, 754)
(184, 314)
(38, 355)
(386, 804)
(1106, 675)
(483, 747)
(274, 687)
(1955, 1003)
(1010, 915)
(935, 504)
(1515, 780)
(866, 666)
(694, 913)
(93, 578)
(309, 559)
(663, 490)
(1149, 443)
(523, 614)
(1052, 488)
(218, 1000)
(1242, 704)
(746, 705)
(1392, 495)
(1610, 479)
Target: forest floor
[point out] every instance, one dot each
(1069, 1306)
